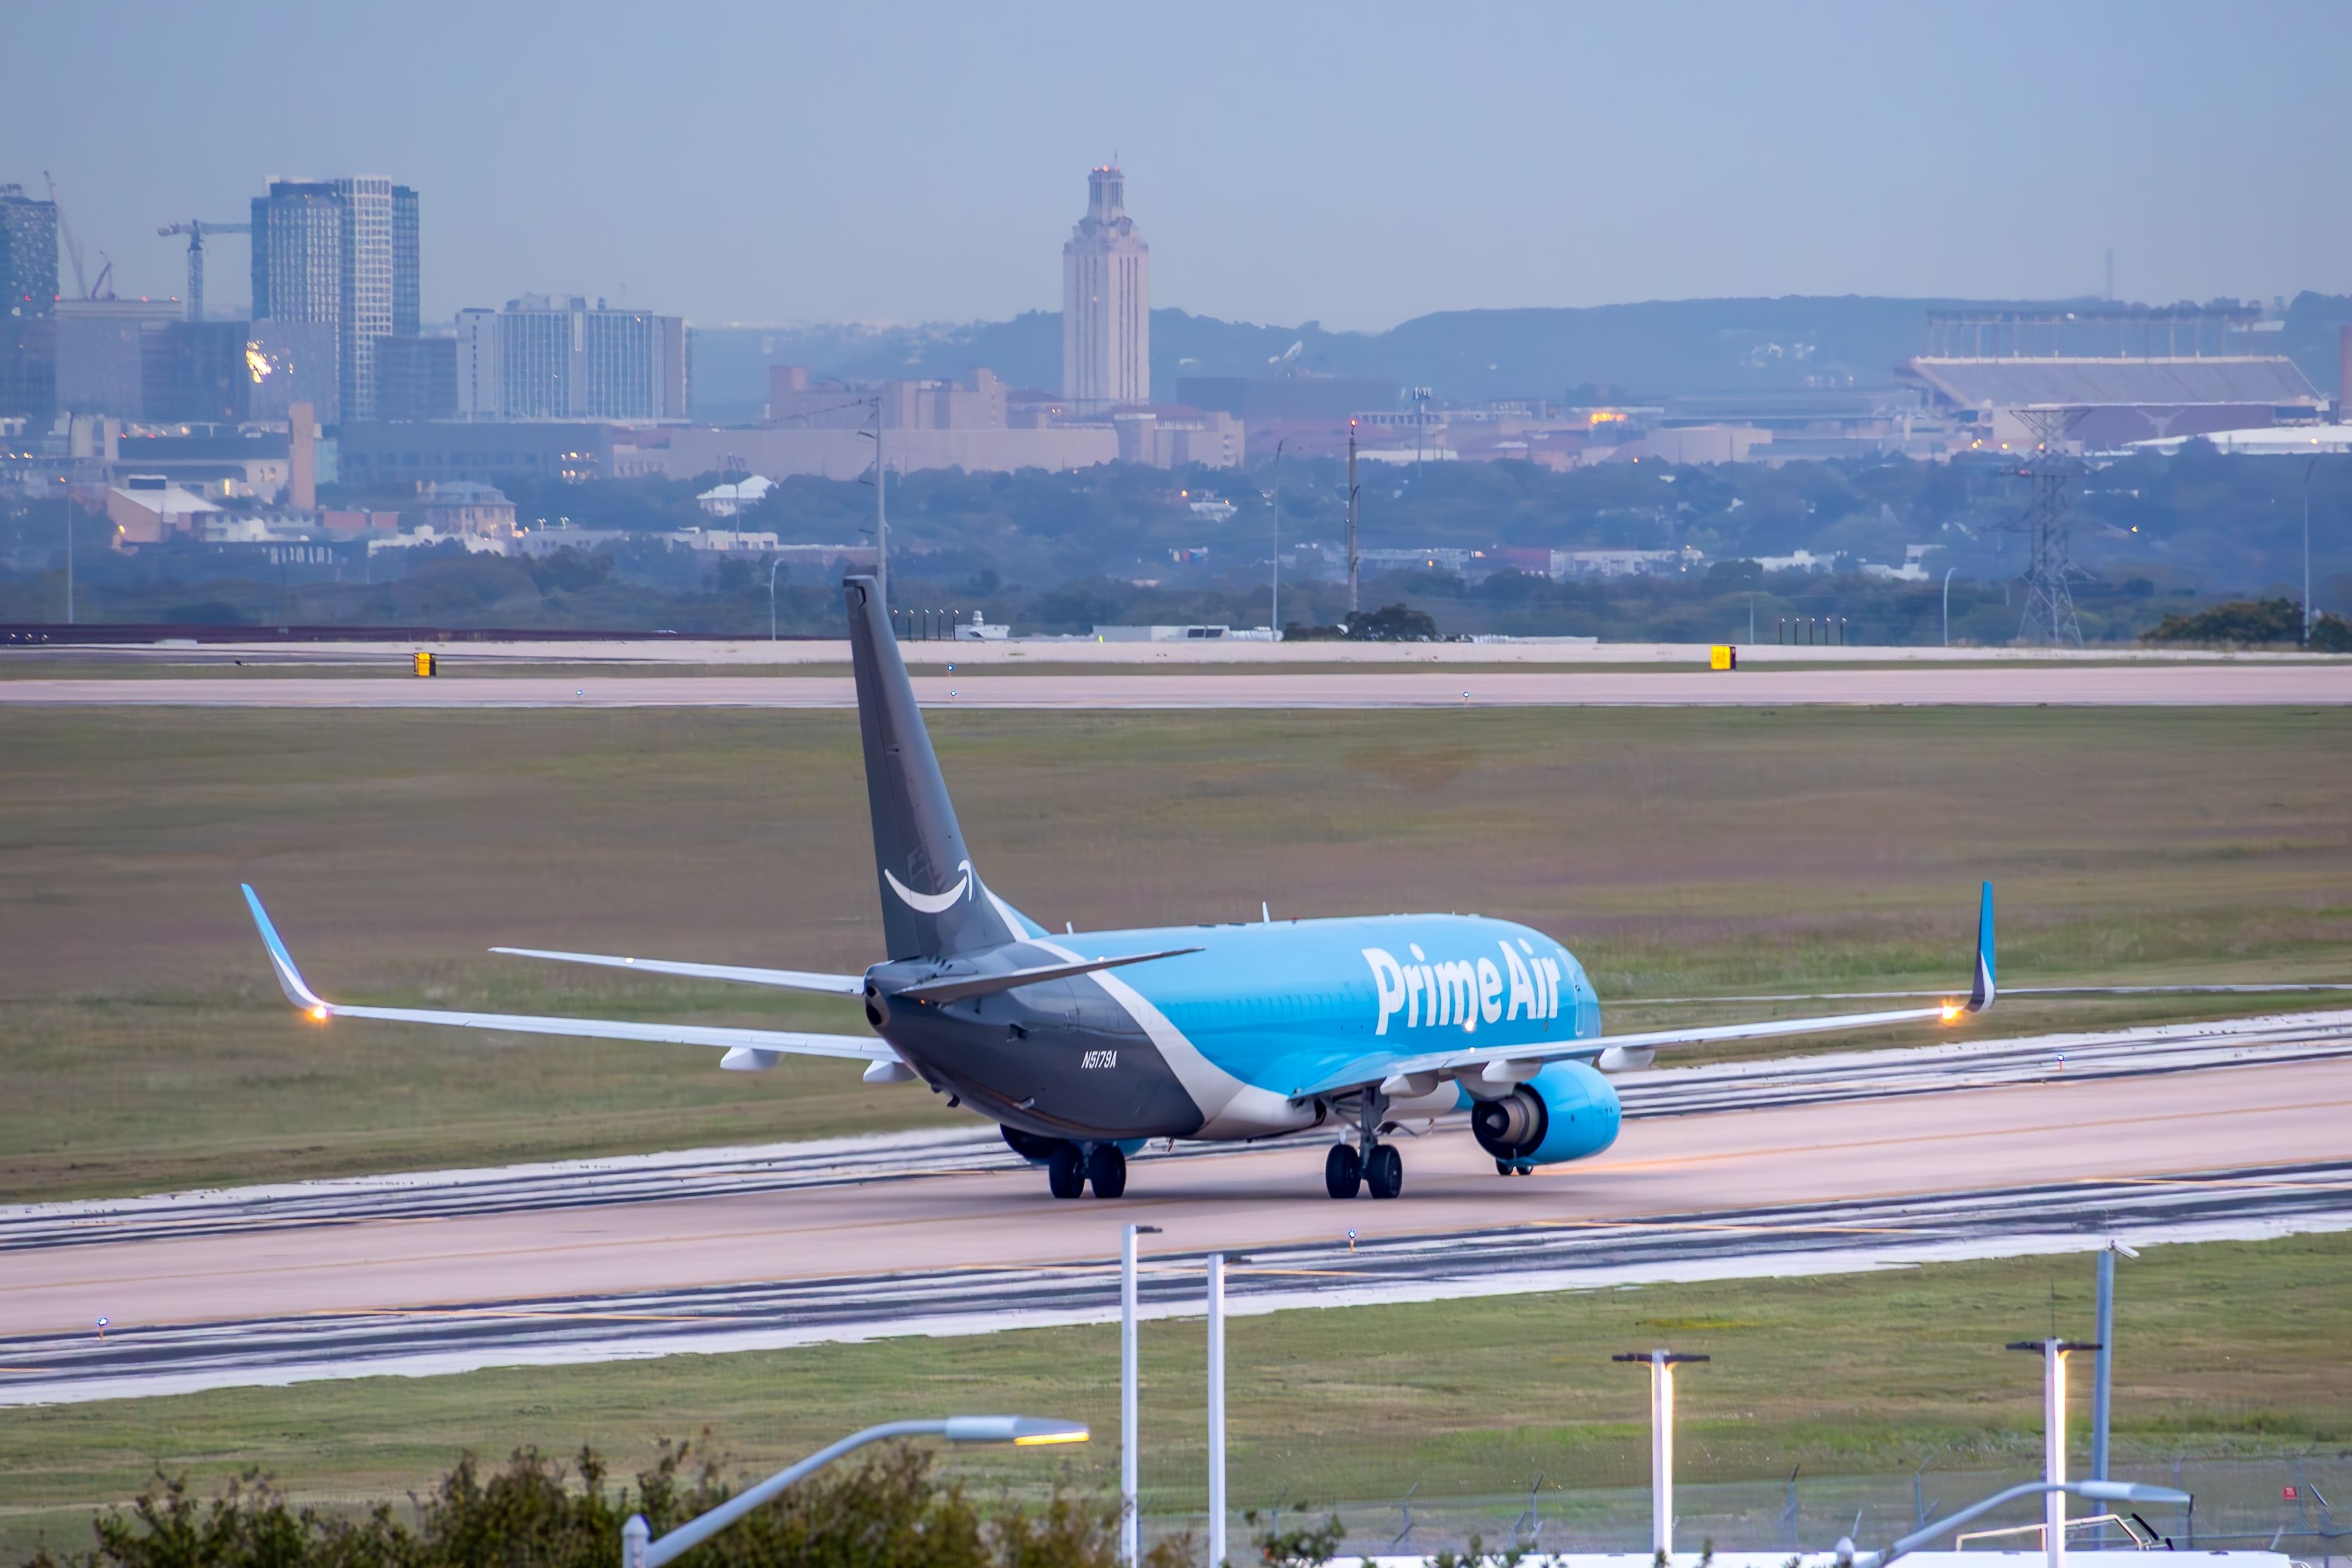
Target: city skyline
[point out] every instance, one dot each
(1358, 167)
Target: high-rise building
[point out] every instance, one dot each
(558, 359)
(405, 323)
(28, 292)
(342, 253)
(29, 254)
(1106, 302)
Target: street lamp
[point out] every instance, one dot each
(1273, 611)
(2053, 1352)
(773, 562)
(1948, 605)
(2102, 1376)
(2306, 549)
(1216, 1409)
(639, 1550)
(1662, 1363)
(2094, 1492)
(1130, 1523)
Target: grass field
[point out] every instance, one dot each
(1845, 1375)
(1678, 852)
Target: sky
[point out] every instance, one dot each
(1354, 164)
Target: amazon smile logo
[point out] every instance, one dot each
(932, 903)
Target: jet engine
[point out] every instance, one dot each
(1566, 1111)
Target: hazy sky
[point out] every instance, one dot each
(1357, 163)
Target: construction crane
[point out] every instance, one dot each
(195, 229)
(73, 245)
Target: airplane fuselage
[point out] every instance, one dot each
(1218, 1044)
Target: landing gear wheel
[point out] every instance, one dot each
(1343, 1173)
(1065, 1171)
(1107, 1171)
(1505, 1168)
(1527, 1170)
(1384, 1172)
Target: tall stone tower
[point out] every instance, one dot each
(1106, 302)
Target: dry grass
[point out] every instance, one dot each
(1848, 1376)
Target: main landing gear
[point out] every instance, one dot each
(1368, 1162)
(1070, 1170)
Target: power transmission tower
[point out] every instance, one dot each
(2048, 620)
(1355, 515)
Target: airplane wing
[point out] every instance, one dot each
(745, 1048)
(1502, 1064)
(791, 979)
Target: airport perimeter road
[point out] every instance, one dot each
(699, 1174)
(2222, 685)
(638, 1269)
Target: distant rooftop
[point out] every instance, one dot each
(2268, 381)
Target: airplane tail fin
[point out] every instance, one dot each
(933, 901)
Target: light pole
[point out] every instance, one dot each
(1216, 1410)
(1130, 1520)
(638, 1550)
(773, 562)
(1948, 605)
(2092, 1492)
(70, 596)
(2104, 1369)
(2053, 1352)
(1273, 613)
(2306, 549)
(1662, 1363)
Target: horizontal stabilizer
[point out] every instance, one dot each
(790, 979)
(957, 989)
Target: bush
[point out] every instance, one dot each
(2242, 622)
(2331, 634)
(535, 1512)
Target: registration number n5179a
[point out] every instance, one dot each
(1099, 1060)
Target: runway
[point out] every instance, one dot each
(2201, 685)
(700, 1173)
(1820, 1175)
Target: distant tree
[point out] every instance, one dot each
(2331, 634)
(2244, 623)
(1394, 623)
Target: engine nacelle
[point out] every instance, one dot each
(1566, 1111)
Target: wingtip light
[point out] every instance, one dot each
(318, 1014)
(1952, 1010)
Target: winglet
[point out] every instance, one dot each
(1981, 995)
(290, 979)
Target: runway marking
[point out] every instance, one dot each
(587, 1246)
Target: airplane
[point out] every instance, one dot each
(1083, 1045)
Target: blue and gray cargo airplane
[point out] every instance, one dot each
(1081, 1046)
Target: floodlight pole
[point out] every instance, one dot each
(1662, 1362)
(70, 511)
(1273, 611)
(1216, 1409)
(1130, 1518)
(1948, 605)
(773, 562)
(2306, 551)
(2055, 1352)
